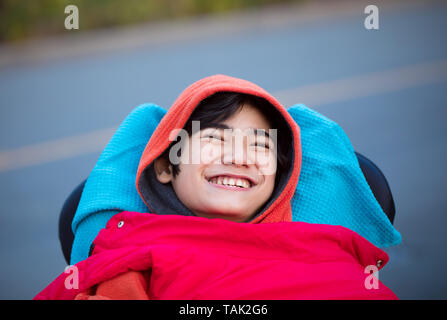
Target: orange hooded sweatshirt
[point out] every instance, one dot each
(161, 199)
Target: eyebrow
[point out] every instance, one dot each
(224, 126)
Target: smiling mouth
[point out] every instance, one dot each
(236, 183)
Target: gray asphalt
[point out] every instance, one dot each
(403, 131)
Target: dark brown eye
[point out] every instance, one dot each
(213, 136)
(261, 144)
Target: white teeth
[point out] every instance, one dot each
(228, 181)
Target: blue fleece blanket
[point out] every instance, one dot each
(331, 188)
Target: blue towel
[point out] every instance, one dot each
(110, 188)
(331, 188)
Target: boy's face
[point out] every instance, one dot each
(235, 173)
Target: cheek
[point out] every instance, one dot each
(266, 162)
(269, 185)
(185, 184)
(187, 173)
(189, 179)
(209, 152)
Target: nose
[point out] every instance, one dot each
(236, 153)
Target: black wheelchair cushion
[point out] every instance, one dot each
(378, 184)
(68, 211)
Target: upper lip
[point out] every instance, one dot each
(233, 175)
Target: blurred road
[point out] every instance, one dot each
(386, 88)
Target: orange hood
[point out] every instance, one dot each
(161, 199)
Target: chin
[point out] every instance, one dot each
(229, 214)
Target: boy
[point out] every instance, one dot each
(192, 244)
(237, 165)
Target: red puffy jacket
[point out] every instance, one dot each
(147, 256)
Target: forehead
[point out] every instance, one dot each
(248, 117)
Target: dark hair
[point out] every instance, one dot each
(222, 105)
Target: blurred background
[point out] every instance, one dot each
(64, 92)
